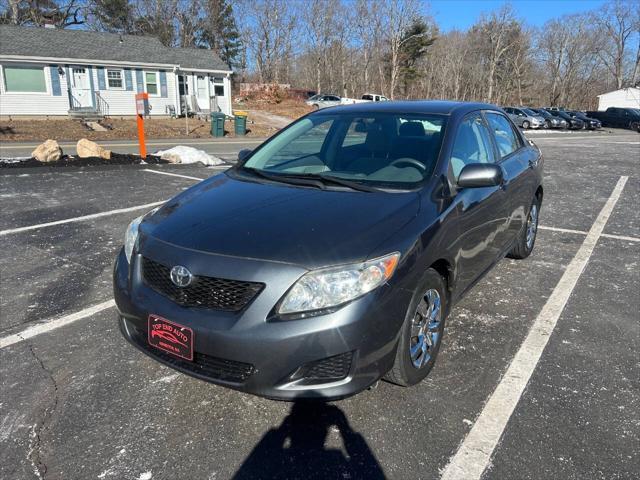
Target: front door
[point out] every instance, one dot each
(482, 212)
(216, 86)
(81, 87)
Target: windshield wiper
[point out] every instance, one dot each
(284, 178)
(336, 181)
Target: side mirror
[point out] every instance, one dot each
(477, 175)
(243, 154)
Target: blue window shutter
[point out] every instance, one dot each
(163, 84)
(128, 81)
(55, 81)
(139, 81)
(102, 84)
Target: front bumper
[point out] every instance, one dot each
(330, 356)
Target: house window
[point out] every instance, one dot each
(24, 80)
(114, 79)
(218, 86)
(151, 80)
(202, 87)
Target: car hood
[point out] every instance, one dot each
(278, 222)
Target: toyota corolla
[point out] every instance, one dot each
(329, 257)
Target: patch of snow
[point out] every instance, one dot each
(184, 154)
(167, 379)
(145, 476)
(14, 160)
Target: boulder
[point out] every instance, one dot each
(48, 151)
(87, 148)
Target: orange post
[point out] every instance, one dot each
(142, 100)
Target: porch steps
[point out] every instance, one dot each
(86, 114)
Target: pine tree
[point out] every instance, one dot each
(220, 33)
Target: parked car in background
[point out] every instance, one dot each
(618, 117)
(550, 121)
(323, 101)
(367, 97)
(523, 118)
(589, 123)
(363, 249)
(572, 123)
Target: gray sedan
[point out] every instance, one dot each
(524, 118)
(324, 101)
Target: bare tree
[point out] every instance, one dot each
(617, 21)
(271, 26)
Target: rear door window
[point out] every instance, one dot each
(506, 138)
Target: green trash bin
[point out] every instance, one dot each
(240, 124)
(217, 124)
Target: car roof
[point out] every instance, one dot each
(439, 107)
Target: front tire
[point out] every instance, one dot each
(527, 237)
(421, 333)
(525, 125)
(547, 124)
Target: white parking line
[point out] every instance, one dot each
(54, 323)
(79, 219)
(172, 174)
(581, 232)
(473, 455)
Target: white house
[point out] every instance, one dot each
(48, 71)
(623, 98)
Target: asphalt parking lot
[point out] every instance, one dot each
(505, 401)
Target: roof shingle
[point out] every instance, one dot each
(101, 46)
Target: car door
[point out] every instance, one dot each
(481, 212)
(517, 159)
(513, 115)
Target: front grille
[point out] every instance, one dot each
(204, 292)
(326, 370)
(205, 365)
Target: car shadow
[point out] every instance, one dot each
(298, 448)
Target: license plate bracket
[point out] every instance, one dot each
(170, 337)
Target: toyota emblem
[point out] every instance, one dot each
(181, 276)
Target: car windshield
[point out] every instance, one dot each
(529, 112)
(560, 114)
(383, 150)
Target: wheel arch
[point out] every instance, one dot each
(446, 271)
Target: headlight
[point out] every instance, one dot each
(130, 237)
(330, 287)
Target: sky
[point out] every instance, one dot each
(461, 14)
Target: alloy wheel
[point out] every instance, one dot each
(425, 328)
(532, 226)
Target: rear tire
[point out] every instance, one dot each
(421, 333)
(547, 124)
(525, 125)
(527, 237)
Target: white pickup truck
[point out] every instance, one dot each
(367, 97)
